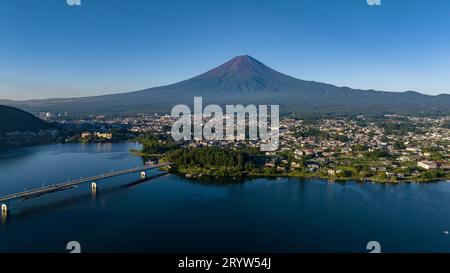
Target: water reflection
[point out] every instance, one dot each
(94, 193)
(4, 217)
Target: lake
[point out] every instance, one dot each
(173, 214)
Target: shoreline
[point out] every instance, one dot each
(197, 175)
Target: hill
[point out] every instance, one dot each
(13, 119)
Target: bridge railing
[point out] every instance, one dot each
(70, 183)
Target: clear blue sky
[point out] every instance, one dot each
(50, 49)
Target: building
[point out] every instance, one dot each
(103, 135)
(428, 165)
(413, 149)
(86, 134)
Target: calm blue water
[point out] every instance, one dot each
(172, 214)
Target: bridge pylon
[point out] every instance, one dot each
(70, 184)
(94, 186)
(4, 208)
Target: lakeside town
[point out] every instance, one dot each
(387, 148)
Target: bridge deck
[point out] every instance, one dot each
(70, 184)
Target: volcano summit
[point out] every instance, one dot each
(245, 80)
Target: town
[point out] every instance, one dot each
(389, 148)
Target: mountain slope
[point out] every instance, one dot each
(245, 80)
(12, 119)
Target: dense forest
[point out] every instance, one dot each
(209, 157)
(212, 161)
(156, 144)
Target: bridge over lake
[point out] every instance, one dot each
(27, 194)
